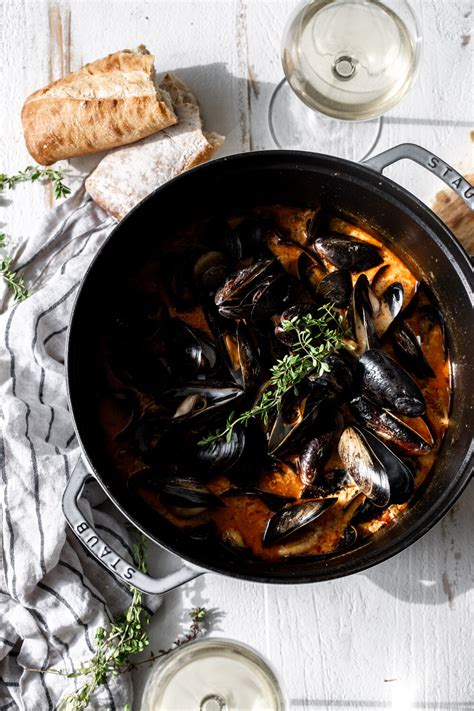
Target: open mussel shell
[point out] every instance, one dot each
(196, 401)
(390, 428)
(296, 414)
(363, 305)
(187, 492)
(230, 298)
(363, 465)
(335, 288)
(274, 501)
(221, 237)
(388, 385)
(188, 351)
(348, 253)
(294, 517)
(409, 352)
(339, 376)
(242, 354)
(400, 477)
(317, 450)
(222, 454)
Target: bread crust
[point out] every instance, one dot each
(127, 175)
(108, 103)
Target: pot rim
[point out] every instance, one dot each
(455, 253)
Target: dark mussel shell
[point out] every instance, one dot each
(316, 452)
(390, 428)
(248, 467)
(222, 454)
(210, 271)
(242, 355)
(311, 271)
(297, 413)
(335, 288)
(221, 237)
(388, 385)
(251, 233)
(270, 296)
(409, 352)
(187, 492)
(189, 351)
(197, 400)
(400, 477)
(293, 517)
(295, 311)
(230, 298)
(339, 377)
(348, 253)
(327, 483)
(361, 315)
(363, 465)
(274, 501)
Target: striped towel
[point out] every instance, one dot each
(53, 595)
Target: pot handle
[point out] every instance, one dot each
(106, 555)
(428, 160)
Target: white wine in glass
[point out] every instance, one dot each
(351, 60)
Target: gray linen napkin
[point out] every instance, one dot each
(53, 594)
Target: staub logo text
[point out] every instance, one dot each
(457, 182)
(98, 547)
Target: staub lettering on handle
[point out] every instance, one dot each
(455, 180)
(98, 547)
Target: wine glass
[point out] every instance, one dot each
(346, 63)
(214, 675)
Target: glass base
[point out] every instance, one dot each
(295, 126)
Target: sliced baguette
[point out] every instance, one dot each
(108, 103)
(127, 175)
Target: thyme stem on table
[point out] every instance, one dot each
(33, 173)
(316, 337)
(126, 637)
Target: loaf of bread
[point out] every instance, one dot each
(108, 103)
(127, 175)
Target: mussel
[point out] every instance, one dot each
(187, 492)
(364, 467)
(391, 428)
(222, 454)
(388, 385)
(409, 352)
(295, 311)
(197, 401)
(296, 414)
(242, 354)
(348, 253)
(210, 271)
(335, 288)
(189, 351)
(317, 450)
(293, 517)
(251, 234)
(231, 299)
(375, 469)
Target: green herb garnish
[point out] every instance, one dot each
(126, 637)
(14, 281)
(33, 173)
(316, 337)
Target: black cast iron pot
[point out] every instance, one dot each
(365, 197)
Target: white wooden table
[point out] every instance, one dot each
(398, 636)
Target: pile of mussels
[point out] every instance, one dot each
(245, 281)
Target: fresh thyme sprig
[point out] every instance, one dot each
(33, 173)
(316, 337)
(126, 637)
(13, 280)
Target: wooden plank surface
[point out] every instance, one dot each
(399, 635)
